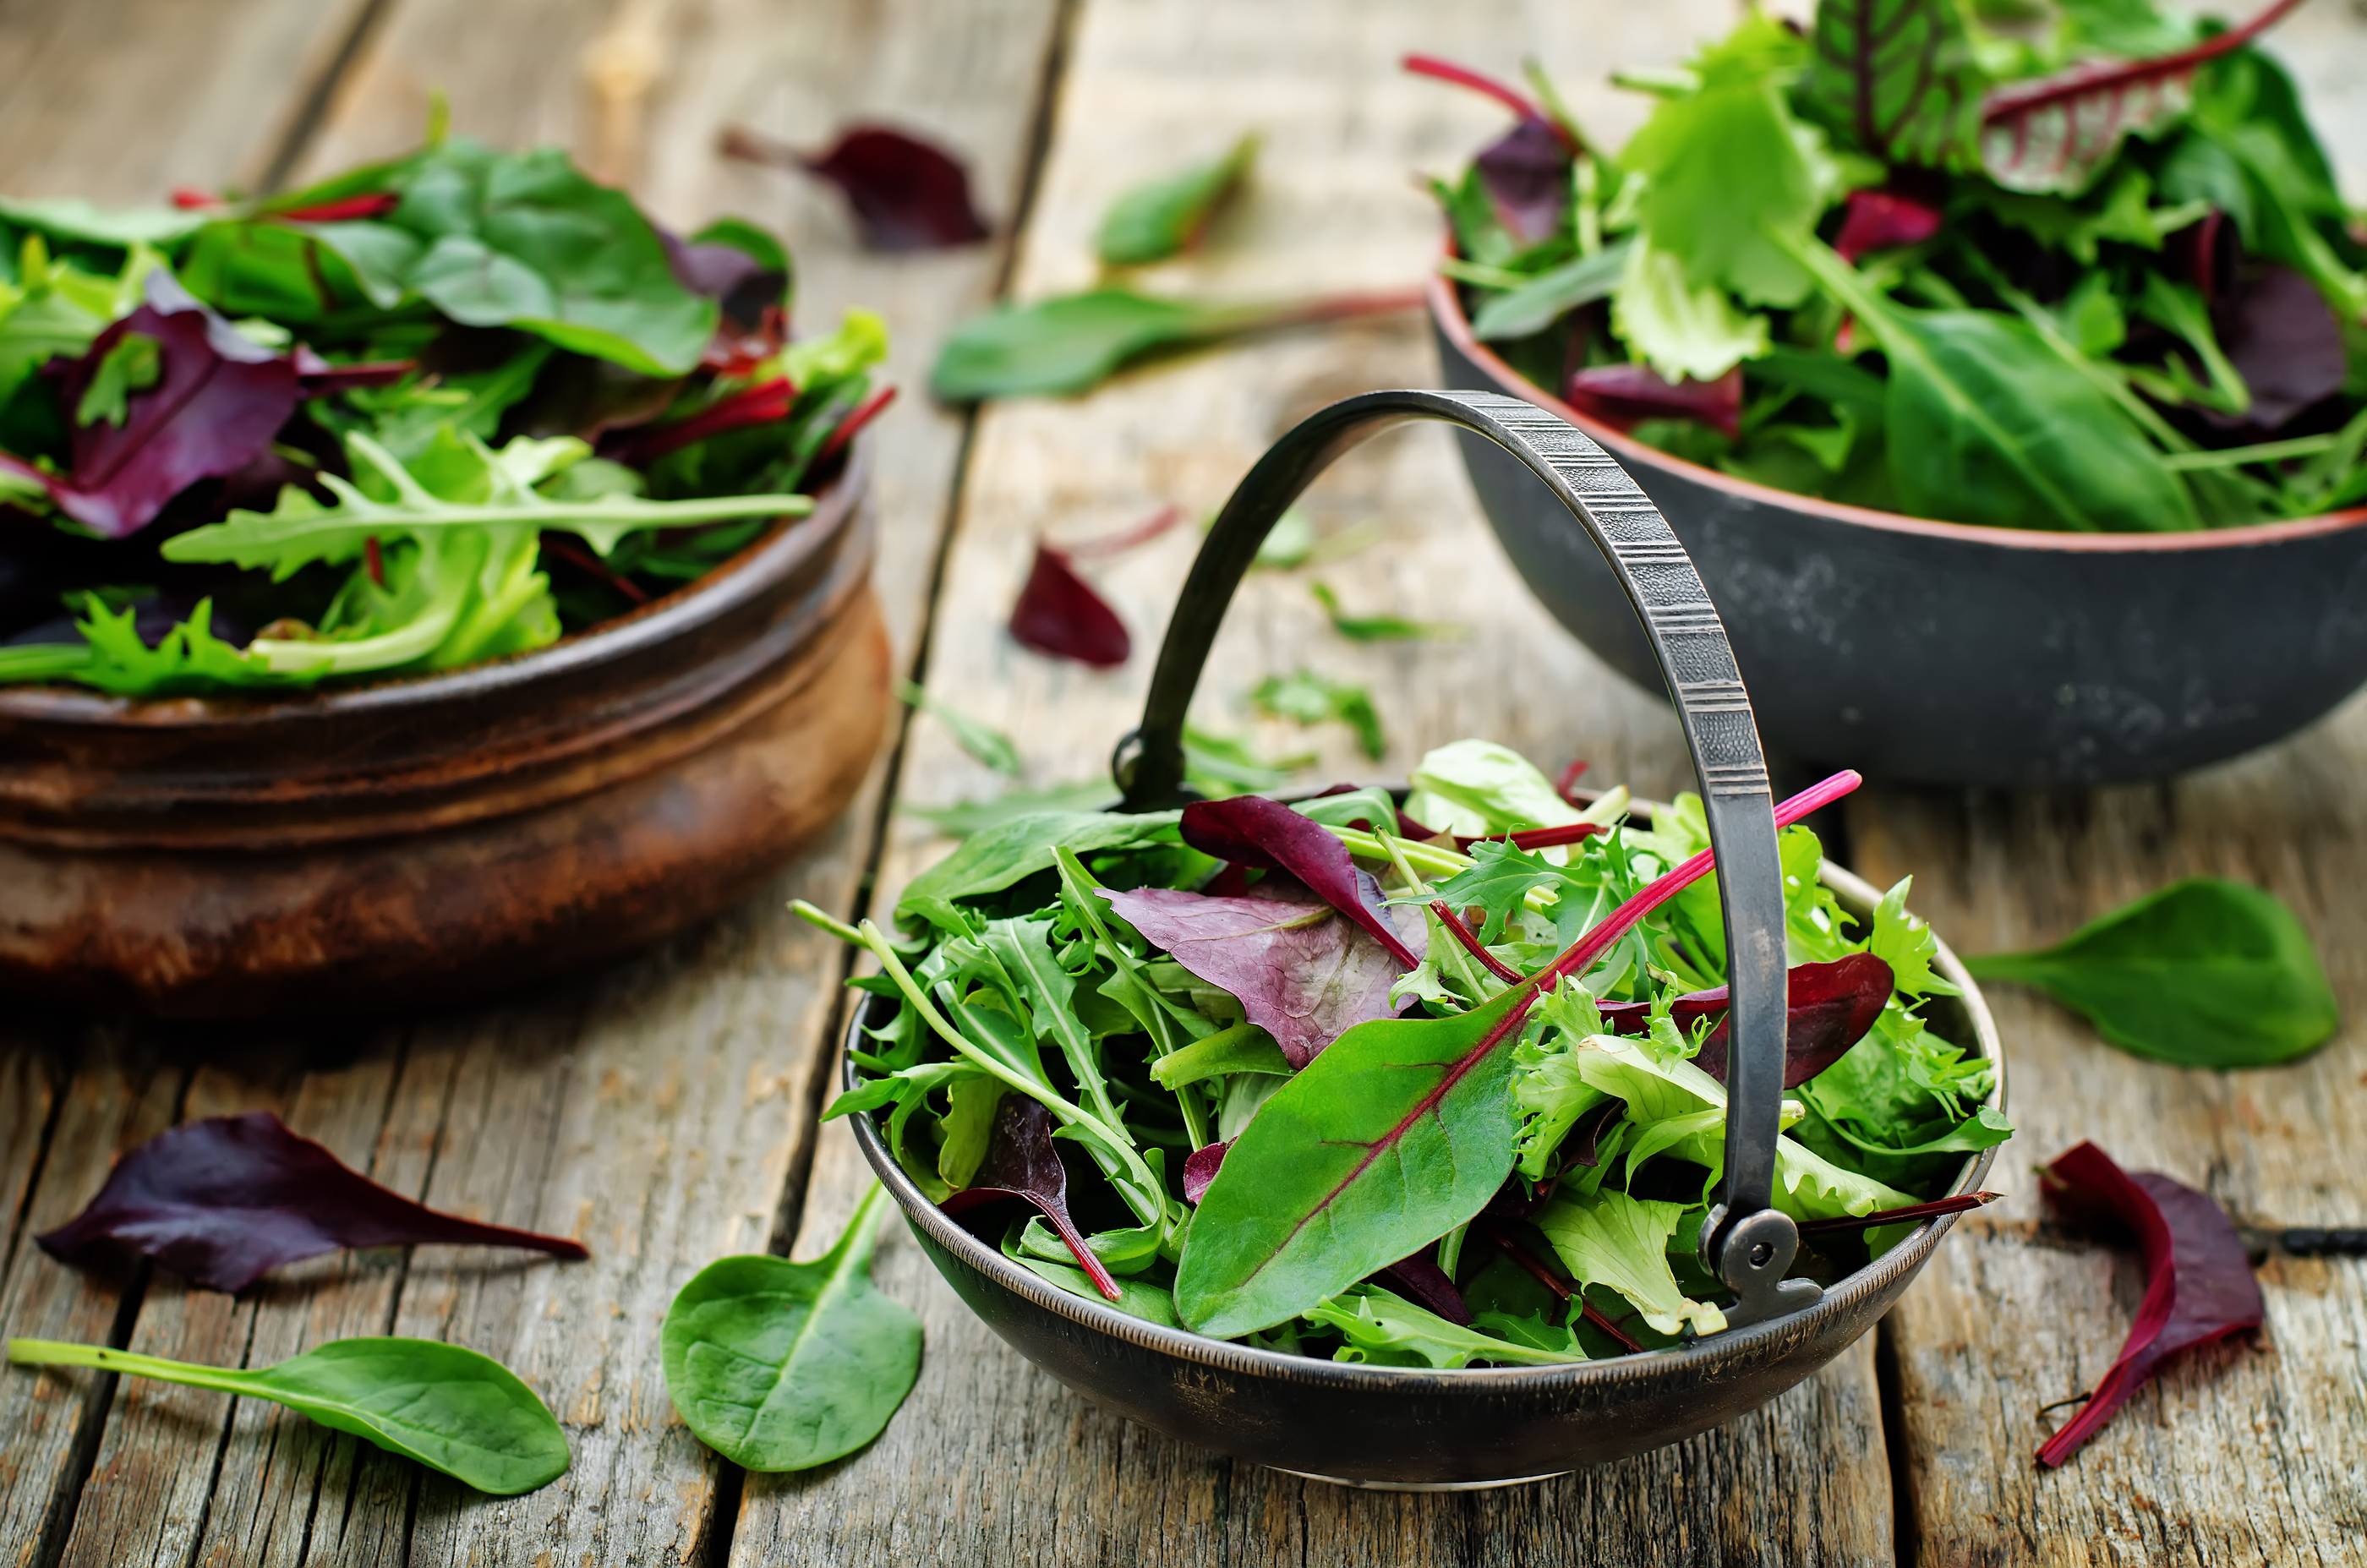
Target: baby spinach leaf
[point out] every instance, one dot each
(1155, 220)
(1063, 345)
(785, 1366)
(2205, 973)
(1898, 77)
(1243, 1048)
(223, 1199)
(984, 743)
(449, 1407)
(1475, 787)
(1384, 1328)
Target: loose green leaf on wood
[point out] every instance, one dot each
(444, 1406)
(1383, 628)
(1159, 217)
(784, 1366)
(2205, 973)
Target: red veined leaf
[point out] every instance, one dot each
(2053, 133)
(1022, 1163)
(1526, 173)
(217, 400)
(1469, 940)
(1831, 1007)
(1534, 838)
(1251, 830)
(222, 1201)
(2199, 1283)
(760, 404)
(189, 199)
(1200, 1167)
(1059, 615)
(1300, 972)
(1883, 221)
(561, 548)
(906, 194)
(1897, 77)
(1621, 395)
(1420, 1281)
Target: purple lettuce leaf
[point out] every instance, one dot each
(217, 399)
(222, 1201)
(1526, 173)
(1302, 974)
(1022, 1163)
(2284, 340)
(1254, 832)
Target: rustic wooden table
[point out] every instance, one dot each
(664, 1112)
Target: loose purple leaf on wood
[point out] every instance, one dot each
(1200, 1167)
(1420, 1281)
(1526, 173)
(2199, 1283)
(1622, 395)
(907, 194)
(222, 1201)
(1059, 615)
(217, 400)
(1829, 1009)
(1253, 830)
(1022, 1163)
(1302, 974)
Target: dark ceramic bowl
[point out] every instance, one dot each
(1944, 654)
(1393, 1428)
(449, 835)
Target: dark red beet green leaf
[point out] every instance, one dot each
(1883, 221)
(1200, 1168)
(1303, 974)
(1831, 1007)
(222, 1201)
(1059, 615)
(1251, 830)
(1526, 173)
(2198, 1284)
(1622, 395)
(1022, 1163)
(2283, 338)
(217, 399)
(907, 194)
(1420, 1281)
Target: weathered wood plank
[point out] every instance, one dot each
(658, 1113)
(990, 1460)
(2236, 1455)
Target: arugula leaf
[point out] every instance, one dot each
(1155, 220)
(444, 1406)
(2203, 973)
(1385, 1329)
(1621, 1243)
(783, 1366)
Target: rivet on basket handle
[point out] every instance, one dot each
(1745, 1241)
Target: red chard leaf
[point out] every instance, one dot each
(201, 402)
(1255, 831)
(1022, 1163)
(1883, 221)
(1059, 615)
(2198, 1284)
(1526, 173)
(1200, 1168)
(222, 1201)
(907, 195)
(2283, 339)
(1302, 974)
(1420, 1281)
(1621, 395)
(1832, 1006)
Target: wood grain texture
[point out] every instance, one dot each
(2235, 1454)
(990, 1459)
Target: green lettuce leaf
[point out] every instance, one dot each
(1621, 1243)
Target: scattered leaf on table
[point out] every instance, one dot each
(222, 1201)
(446, 1406)
(1310, 699)
(1383, 628)
(1059, 615)
(1251, 830)
(2198, 1284)
(2203, 973)
(1160, 218)
(783, 1366)
(906, 194)
(1022, 1163)
(983, 742)
(1300, 971)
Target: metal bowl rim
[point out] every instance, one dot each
(745, 577)
(1447, 311)
(1701, 1360)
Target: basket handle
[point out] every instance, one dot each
(1745, 1241)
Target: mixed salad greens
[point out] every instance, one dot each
(2073, 265)
(1434, 1085)
(428, 411)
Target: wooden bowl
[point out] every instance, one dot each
(449, 835)
(1944, 654)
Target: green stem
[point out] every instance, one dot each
(2266, 452)
(62, 1353)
